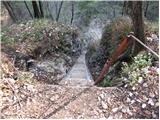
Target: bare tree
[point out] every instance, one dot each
(56, 7)
(72, 11)
(36, 9)
(59, 10)
(10, 10)
(49, 9)
(28, 9)
(123, 9)
(135, 12)
(114, 12)
(146, 9)
(41, 8)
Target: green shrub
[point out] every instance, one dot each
(7, 39)
(38, 35)
(40, 23)
(135, 70)
(106, 82)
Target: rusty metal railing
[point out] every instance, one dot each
(118, 51)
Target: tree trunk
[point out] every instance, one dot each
(28, 9)
(59, 10)
(36, 10)
(41, 8)
(56, 7)
(114, 12)
(10, 10)
(135, 11)
(123, 9)
(72, 10)
(50, 13)
(146, 9)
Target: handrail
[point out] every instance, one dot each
(144, 45)
(116, 53)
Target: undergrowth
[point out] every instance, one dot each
(131, 72)
(138, 67)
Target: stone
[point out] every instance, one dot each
(150, 101)
(140, 80)
(144, 105)
(114, 110)
(104, 105)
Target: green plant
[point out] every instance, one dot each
(38, 35)
(40, 23)
(7, 39)
(106, 82)
(25, 35)
(135, 70)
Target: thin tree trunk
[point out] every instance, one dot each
(72, 10)
(56, 7)
(49, 12)
(59, 10)
(123, 9)
(36, 10)
(41, 8)
(146, 9)
(114, 12)
(28, 9)
(10, 10)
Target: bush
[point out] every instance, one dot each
(135, 70)
(114, 32)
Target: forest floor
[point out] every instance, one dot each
(21, 99)
(27, 97)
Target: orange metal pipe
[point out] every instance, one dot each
(116, 53)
